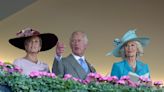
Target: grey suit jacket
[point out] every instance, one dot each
(69, 65)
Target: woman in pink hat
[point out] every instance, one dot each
(32, 42)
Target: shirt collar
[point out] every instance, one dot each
(78, 57)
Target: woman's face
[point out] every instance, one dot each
(130, 49)
(33, 44)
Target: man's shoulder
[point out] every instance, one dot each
(68, 58)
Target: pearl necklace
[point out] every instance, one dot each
(133, 66)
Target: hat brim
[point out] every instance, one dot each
(48, 41)
(116, 52)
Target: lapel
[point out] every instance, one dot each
(77, 67)
(139, 67)
(90, 67)
(127, 68)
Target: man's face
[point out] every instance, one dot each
(78, 44)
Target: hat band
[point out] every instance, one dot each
(26, 33)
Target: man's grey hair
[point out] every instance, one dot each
(77, 32)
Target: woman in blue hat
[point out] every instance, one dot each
(130, 48)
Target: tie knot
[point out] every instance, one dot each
(81, 60)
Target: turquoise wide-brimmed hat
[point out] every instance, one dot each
(128, 36)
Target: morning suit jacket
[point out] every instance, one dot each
(122, 68)
(69, 65)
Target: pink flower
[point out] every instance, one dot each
(27, 32)
(91, 75)
(10, 70)
(1, 63)
(103, 79)
(122, 82)
(109, 78)
(158, 83)
(43, 73)
(97, 75)
(52, 75)
(32, 74)
(75, 79)
(18, 69)
(86, 81)
(132, 84)
(125, 78)
(112, 78)
(94, 77)
(67, 76)
(5, 69)
(115, 78)
(79, 80)
(35, 74)
(144, 79)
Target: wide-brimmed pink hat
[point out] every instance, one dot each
(49, 40)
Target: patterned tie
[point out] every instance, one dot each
(83, 64)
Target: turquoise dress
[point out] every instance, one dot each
(122, 68)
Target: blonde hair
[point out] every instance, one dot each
(139, 53)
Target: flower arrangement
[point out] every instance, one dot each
(48, 82)
(8, 69)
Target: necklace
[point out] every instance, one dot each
(134, 65)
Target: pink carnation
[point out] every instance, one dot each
(122, 82)
(75, 79)
(158, 83)
(132, 84)
(35, 74)
(67, 76)
(5, 69)
(18, 69)
(43, 73)
(86, 81)
(52, 75)
(112, 78)
(94, 77)
(125, 78)
(103, 78)
(91, 75)
(1, 63)
(144, 79)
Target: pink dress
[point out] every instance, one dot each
(29, 66)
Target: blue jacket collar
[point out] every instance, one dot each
(138, 66)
